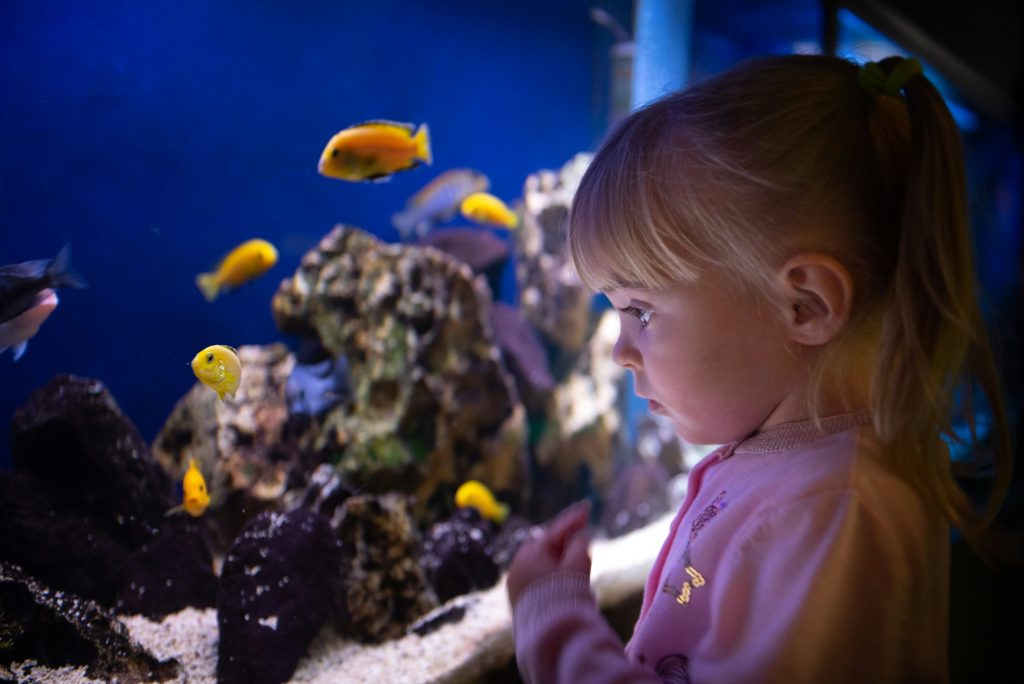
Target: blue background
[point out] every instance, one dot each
(155, 136)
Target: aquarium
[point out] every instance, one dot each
(293, 354)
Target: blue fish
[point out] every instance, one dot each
(312, 389)
(439, 200)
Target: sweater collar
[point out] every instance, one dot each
(796, 433)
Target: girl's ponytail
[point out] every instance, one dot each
(934, 346)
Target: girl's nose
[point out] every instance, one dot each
(625, 354)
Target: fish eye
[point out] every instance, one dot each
(209, 357)
(334, 153)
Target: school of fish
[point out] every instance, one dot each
(372, 151)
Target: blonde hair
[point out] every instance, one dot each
(782, 155)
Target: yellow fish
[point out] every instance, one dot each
(218, 368)
(249, 260)
(375, 150)
(474, 494)
(196, 498)
(488, 209)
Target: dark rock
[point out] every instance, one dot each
(274, 595)
(173, 572)
(381, 588)
(64, 547)
(84, 510)
(456, 554)
(71, 434)
(513, 532)
(58, 629)
(448, 614)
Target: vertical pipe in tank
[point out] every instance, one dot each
(664, 35)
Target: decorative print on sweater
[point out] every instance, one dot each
(683, 594)
(709, 512)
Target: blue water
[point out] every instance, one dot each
(154, 136)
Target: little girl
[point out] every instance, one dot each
(788, 248)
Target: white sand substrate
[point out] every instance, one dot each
(455, 653)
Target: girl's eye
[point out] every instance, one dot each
(643, 315)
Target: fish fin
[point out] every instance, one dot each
(173, 511)
(208, 285)
(19, 349)
(409, 128)
(378, 178)
(502, 513)
(422, 140)
(404, 222)
(62, 273)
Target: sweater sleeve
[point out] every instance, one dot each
(560, 636)
(818, 590)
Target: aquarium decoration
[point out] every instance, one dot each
(332, 527)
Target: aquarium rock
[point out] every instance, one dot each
(84, 509)
(551, 295)
(172, 572)
(433, 404)
(457, 555)
(577, 451)
(71, 434)
(381, 588)
(325, 492)
(274, 596)
(239, 443)
(52, 628)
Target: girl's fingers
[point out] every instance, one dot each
(567, 523)
(576, 556)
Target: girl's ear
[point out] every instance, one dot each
(816, 294)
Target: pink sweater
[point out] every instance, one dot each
(795, 557)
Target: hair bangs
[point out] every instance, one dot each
(620, 231)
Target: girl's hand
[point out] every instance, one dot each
(560, 545)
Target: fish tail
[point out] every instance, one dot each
(501, 513)
(422, 140)
(208, 285)
(404, 222)
(60, 271)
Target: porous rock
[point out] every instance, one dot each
(576, 453)
(381, 587)
(238, 443)
(275, 592)
(552, 296)
(433, 404)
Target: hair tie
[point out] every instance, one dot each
(873, 79)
